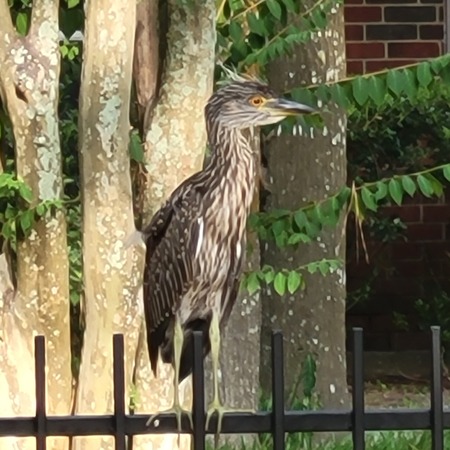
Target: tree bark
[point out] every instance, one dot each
(308, 167)
(29, 81)
(175, 142)
(112, 272)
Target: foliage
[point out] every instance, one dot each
(379, 440)
(256, 33)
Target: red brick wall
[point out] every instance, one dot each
(409, 269)
(387, 33)
(383, 34)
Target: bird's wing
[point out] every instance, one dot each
(171, 243)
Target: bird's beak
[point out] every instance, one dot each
(283, 107)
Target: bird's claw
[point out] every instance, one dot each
(217, 408)
(178, 411)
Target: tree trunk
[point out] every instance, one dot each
(112, 272)
(174, 149)
(303, 168)
(29, 81)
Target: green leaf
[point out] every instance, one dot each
(279, 283)
(360, 90)
(425, 186)
(72, 3)
(274, 8)
(300, 219)
(294, 281)
(252, 283)
(269, 275)
(395, 191)
(424, 74)
(26, 221)
(381, 191)
(25, 192)
(408, 185)
(235, 31)
(377, 90)
(296, 238)
(22, 23)
(368, 199)
(395, 81)
(409, 84)
(136, 148)
(446, 172)
(256, 24)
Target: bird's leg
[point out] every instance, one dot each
(178, 338)
(216, 406)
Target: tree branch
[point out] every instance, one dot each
(44, 11)
(6, 25)
(146, 55)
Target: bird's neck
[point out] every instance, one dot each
(230, 147)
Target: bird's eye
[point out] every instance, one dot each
(256, 101)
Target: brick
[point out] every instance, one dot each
(382, 322)
(354, 67)
(353, 2)
(425, 232)
(365, 50)
(431, 32)
(391, 32)
(437, 250)
(358, 320)
(396, 2)
(354, 33)
(376, 341)
(436, 213)
(374, 66)
(441, 14)
(408, 213)
(411, 268)
(408, 250)
(410, 14)
(410, 340)
(362, 14)
(413, 49)
(431, 1)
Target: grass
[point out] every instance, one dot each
(380, 440)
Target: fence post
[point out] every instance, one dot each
(358, 391)
(277, 391)
(437, 419)
(119, 392)
(39, 373)
(198, 393)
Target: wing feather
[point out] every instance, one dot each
(171, 241)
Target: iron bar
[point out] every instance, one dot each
(198, 394)
(119, 392)
(278, 431)
(39, 368)
(358, 391)
(437, 426)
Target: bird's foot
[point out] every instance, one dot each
(216, 407)
(178, 411)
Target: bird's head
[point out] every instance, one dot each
(245, 104)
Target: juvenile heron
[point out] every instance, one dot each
(196, 241)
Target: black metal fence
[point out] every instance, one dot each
(276, 422)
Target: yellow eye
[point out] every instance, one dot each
(257, 101)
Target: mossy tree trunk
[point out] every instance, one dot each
(39, 302)
(112, 272)
(310, 166)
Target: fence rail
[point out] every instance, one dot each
(276, 422)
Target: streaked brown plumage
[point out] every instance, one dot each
(196, 241)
